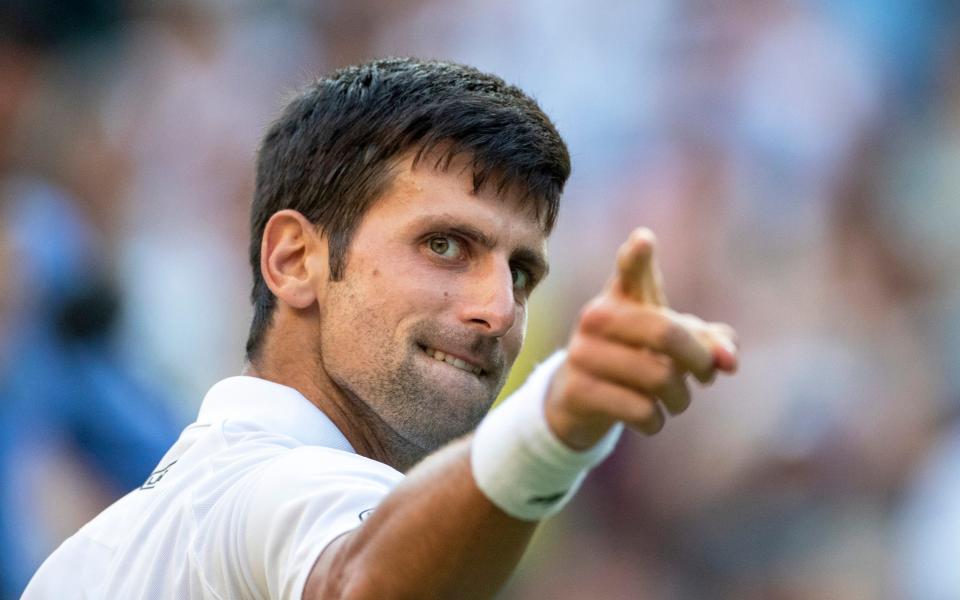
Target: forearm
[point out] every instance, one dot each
(435, 536)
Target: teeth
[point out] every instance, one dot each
(456, 362)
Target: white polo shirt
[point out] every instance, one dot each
(240, 507)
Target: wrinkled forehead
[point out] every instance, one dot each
(422, 197)
(483, 181)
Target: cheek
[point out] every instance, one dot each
(375, 308)
(354, 336)
(418, 289)
(353, 304)
(513, 341)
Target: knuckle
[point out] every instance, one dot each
(578, 351)
(669, 335)
(576, 385)
(659, 371)
(720, 325)
(596, 315)
(727, 331)
(642, 412)
(661, 377)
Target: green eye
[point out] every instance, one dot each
(445, 247)
(520, 278)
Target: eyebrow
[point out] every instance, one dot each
(529, 257)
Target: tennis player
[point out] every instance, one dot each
(398, 229)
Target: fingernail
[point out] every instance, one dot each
(725, 355)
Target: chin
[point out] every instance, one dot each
(448, 406)
(424, 401)
(455, 413)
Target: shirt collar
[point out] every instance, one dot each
(273, 407)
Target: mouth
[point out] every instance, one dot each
(454, 361)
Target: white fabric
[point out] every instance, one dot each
(520, 464)
(240, 507)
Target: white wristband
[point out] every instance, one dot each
(517, 460)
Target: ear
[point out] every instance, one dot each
(293, 259)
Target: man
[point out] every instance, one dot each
(398, 229)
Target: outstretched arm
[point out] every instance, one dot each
(437, 535)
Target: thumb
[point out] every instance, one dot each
(638, 273)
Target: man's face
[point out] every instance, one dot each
(431, 312)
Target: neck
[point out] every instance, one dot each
(379, 441)
(369, 435)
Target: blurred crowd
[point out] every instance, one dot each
(799, 161)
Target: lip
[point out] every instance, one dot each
(474, 363)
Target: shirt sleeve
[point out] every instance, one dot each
(298, 504)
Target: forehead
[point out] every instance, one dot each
(421, 190)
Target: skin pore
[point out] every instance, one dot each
(436, 274)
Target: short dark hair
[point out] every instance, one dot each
(329, 154)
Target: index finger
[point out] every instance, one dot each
(658, 329)
(638, 273)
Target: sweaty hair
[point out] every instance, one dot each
(329, 154)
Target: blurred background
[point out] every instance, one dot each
(798, 159)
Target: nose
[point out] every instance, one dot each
(489, 304)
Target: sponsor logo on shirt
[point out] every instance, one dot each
(363, 515)
(548, 499)
(155, 477)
